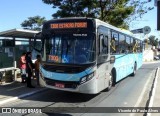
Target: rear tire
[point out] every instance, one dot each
(134, 70)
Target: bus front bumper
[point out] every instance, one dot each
(88, 88)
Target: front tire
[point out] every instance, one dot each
(110, 83)
(112, 79)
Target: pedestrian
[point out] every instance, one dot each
(37, 62)
(29, 69)
(22, 64)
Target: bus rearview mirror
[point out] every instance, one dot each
(112, 59)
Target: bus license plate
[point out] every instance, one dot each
(59, 85)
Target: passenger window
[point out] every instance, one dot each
(135, 46)
(114, 43)
(131, 45)
(138, 45)
(141, 46)
(122, 46)
(128, 44)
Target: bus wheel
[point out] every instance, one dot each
(134, 70)
(110, 83)
(112, 79)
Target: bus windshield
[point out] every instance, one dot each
(71, 49)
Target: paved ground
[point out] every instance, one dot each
(12, 91)
(16, 90)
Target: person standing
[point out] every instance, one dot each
(22, 64)
(37, 62)
(29, 69)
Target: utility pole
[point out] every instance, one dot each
(157, 3)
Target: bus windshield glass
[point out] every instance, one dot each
(71, 49)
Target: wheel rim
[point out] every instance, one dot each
(135, 69)
(110, 81)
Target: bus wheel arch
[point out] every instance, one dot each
(112, 79)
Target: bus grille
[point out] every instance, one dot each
(67, 84)
(61, 69)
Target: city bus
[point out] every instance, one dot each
(86, 55)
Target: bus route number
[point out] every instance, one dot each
(53, 58)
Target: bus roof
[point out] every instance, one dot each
(127, 32)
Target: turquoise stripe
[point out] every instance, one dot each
(65, 77)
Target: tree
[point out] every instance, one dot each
(116, 12)
(156, 42)
(153, 41)
(33, 23)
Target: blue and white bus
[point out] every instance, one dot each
(86, 55)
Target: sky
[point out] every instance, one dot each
(13, 14)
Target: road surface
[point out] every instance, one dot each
(130, 92)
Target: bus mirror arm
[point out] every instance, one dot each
(37, 35)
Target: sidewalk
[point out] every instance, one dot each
(155, 61)
(17, 90)
(155, 98)
(156, 101)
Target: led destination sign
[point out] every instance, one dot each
(69, 25)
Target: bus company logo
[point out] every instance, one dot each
(6, 110)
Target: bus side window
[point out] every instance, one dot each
(114, 46)
(135, 46)
(128, 44)
(131, 46)
(139, 45)
(142, 46)
(122, 46)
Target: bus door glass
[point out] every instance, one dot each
(103, 39)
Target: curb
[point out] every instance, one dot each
(153, 91)
(21, 96)
(152, 62)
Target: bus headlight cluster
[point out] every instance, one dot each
(87, 78)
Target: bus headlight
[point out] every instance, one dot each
(83, 80)
(87, 78)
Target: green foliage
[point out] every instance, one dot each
(118, 13)
(153, 41)
(156, 42)
(33, 23)
(140, 9)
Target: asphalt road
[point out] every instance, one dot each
(130, 92)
